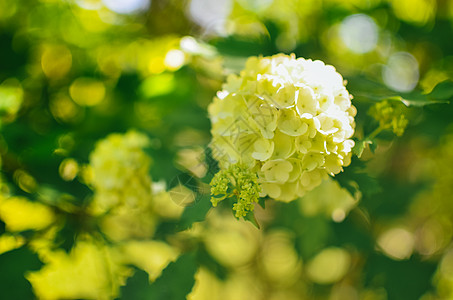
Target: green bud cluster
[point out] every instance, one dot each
(237, 181)
(390, 115)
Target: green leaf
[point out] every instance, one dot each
(262, 202)
(360, 147)
(365, 89)
(355, 178)
(241, 46)
(386, 273)
(206, 260)
(14, 264)
(373, 145)
(66, 237)
(191, 214)
(211, 163)
(250, 216)
(414, 99)
(313, 235)
(137, 286)
(175, 283)
(2, 227)
(394, 199)
(355, 230)
(195, 213)
(442, 91)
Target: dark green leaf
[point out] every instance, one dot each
(354, 230)
(407, 280)
(66, 237)
(414, 99)
(365, 89)
(313, 235)
(262, 202)
(252, 219)
(175, 283)
(393, 199)
(373, 145)
(14, 264)
(2, 227)
(355, 178)
(442, 91)
(196, 212)
(206, 260)
(137, 287)
(212, 164)
(240, 46)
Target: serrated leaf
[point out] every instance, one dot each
(14, 264)
(175, 283)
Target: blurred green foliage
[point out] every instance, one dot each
(73, 72)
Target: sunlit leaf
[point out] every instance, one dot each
(360, 146)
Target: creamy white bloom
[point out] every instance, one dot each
(119, 172)
(290, 120)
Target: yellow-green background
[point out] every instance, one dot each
(72, 72)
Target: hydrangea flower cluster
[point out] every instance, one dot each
(119, 171)
(289, 120)
(123, 190)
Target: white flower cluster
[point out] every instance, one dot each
(123, 191)
(288, 119)
(119, 171)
